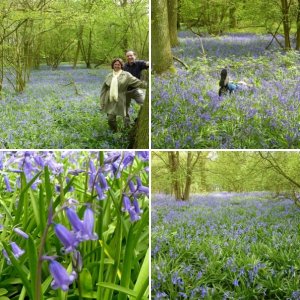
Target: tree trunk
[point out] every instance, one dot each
(232, 17)
(141, 134)
(188, 178)
(89, 50)
(178, 14)
(172, 19)
(286, 25)
(162, 59)
(298, 28)
(203, 174)
(79, 42)
(174, 170)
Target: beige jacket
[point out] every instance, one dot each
(125, 80)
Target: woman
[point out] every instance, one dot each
(113, 92)
(226, 86)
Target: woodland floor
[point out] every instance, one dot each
(188, 113)
(225, 246)
(58, 109)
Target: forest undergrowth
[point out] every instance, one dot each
(188, 113)
(59, 109)
(225, 246)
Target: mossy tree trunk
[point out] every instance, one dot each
(141, 139)
(172, 19)
(162, 59)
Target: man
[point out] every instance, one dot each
(135, 68)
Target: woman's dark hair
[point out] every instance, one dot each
(120, 60)
(223, 77)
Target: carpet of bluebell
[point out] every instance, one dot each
(188, 113)
(59, 109)
(225, 246)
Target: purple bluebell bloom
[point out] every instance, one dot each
(101, 195)
(1, 160)
(136, 206)
(39, 161)
(88, 224)
(66, 237)
(74, 220)
(21, 233)
(133, 215)
(112, 157)
(115, 170)
(131, 186)
(6, 256)
(103, 182)
(142, 189)
(17, 251)
(61, 278)
(77, 261)
(83, 229)
(7, 184)
(55, 167)
(143, 155)
(236, 282)
(128, 159)
(126, 203)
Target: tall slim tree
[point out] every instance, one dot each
(285, 6)
(172, 20)
(162, 59)
(298, 28)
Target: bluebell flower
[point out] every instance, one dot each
(88, 224)
(128, 159)
(7, 184)
(77, 261)
(136, 206)
(131, 186)
(142, 189)
(115, 168)
(143, 155)
(101, 195)
(126, 203)
(133, 215)
(236, 282)
(16, 250)
(112, 157)
(39, 161)
(74, 220)
(6, 256)
(103, 182)
(66, 237)
(21, 233)
(61, 278)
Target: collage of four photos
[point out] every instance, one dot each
(149, 149)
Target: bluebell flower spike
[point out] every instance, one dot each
(61, 278)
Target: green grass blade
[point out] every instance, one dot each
(20, 270)
(25, 188)
(32, 257)
(124, 291)
(142, 282)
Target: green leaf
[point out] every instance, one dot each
(20, 270)
(3, 292)
(142, 282)
(10, 281)
(86, 282)
(118, 288)
(46, 283)
(33, 259)
(4, 298)
(25, 188)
